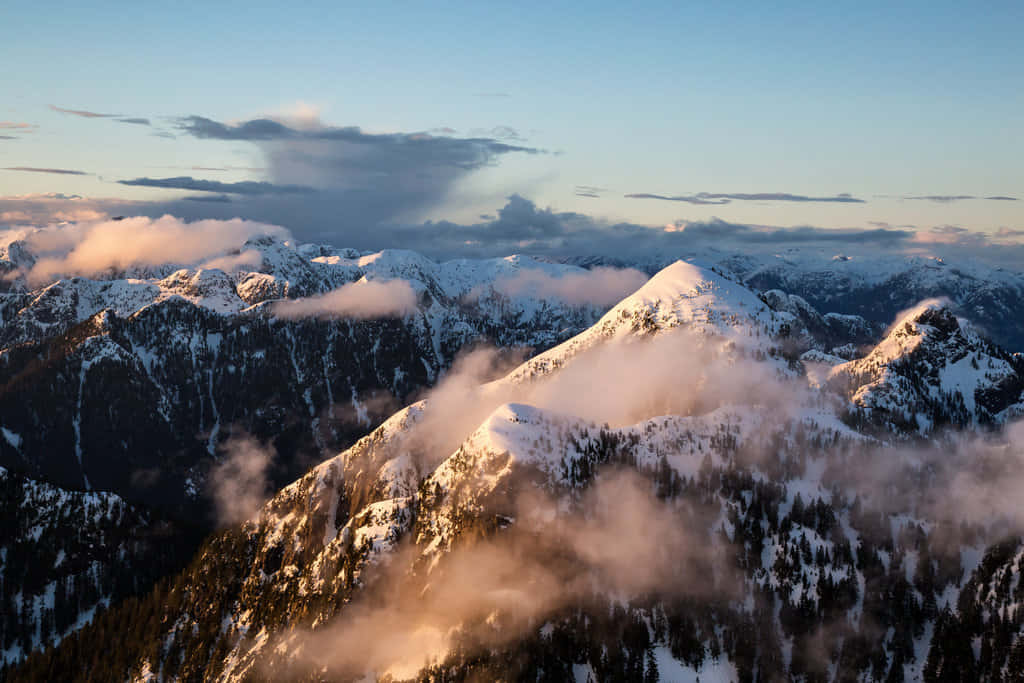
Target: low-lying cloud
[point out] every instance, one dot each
(238, 482)
(499, 588)
(91, 249)
(362, 299)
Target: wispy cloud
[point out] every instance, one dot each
(82, 112)
(34, 169)
(941, 198)
(500, 133)
(238, 482)
(949, 198)
(253, 169)
(245, 187)
(728, 197)
(85, 114)
(590, 191)
(677, 198)
(17, 127)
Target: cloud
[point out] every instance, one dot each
(467, 153)
(678, 198)
(95, 115)
(218, 198)
(589, 191)
(362, 299)
(248, 260)
(727, 197)
(598, 286)
(34, 169)
(8, 137)
(523, 227)
(499, 132)
(949, 198)
(362, 179)
(18, 126)
(53, 207)
(245, 187)
(90, 249)
(942, 199)
(238, 482)
(81, 112)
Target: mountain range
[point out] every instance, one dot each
(745, 469)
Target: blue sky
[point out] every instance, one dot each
(808, 99)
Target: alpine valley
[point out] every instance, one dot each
(741, 466)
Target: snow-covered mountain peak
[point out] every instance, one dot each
(933, 368)
(928, 320)
(680, 296)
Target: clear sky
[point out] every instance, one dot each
(884, 101)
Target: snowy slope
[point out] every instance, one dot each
(933, 368)
(65, 555)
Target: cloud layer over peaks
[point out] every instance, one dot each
(92, 248)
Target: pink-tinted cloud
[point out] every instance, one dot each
(91, 248)
(362, 299)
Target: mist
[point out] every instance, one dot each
(618, 540)
(238, 484)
